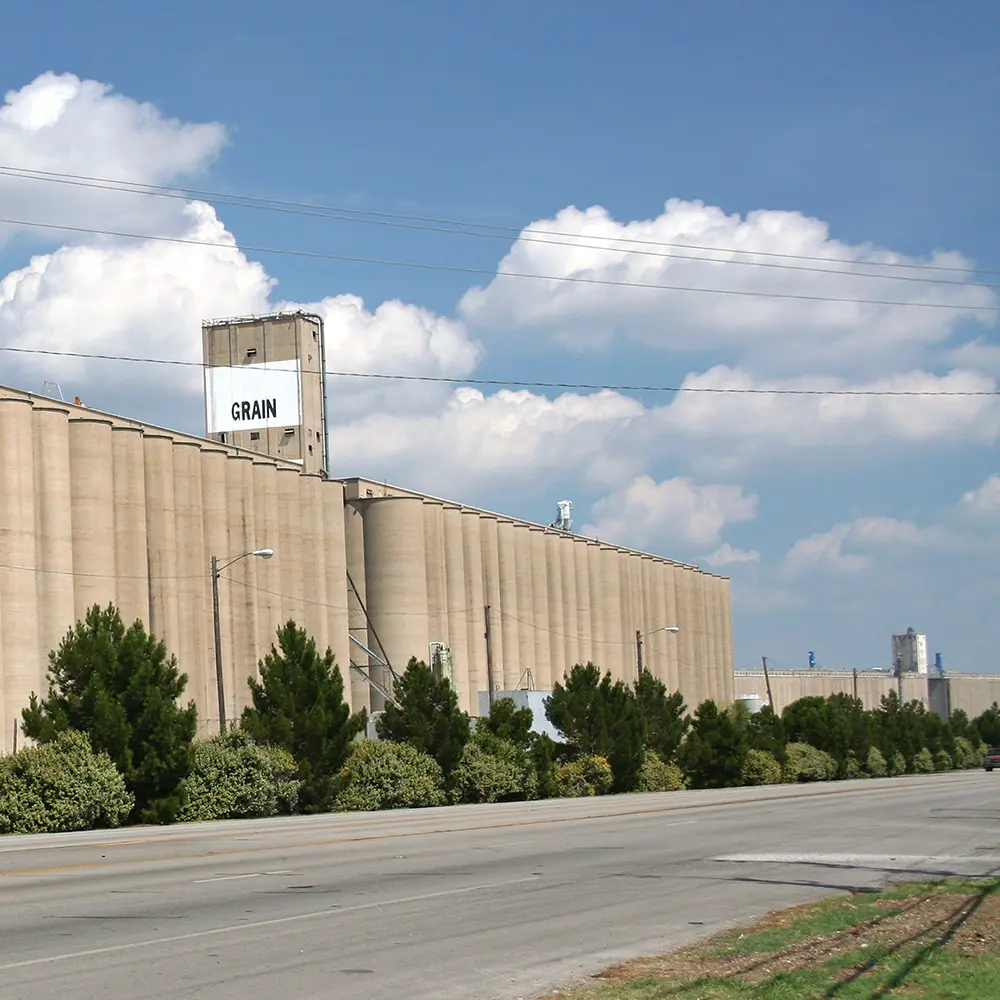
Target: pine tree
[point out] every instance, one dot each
(507, 721)
(298, 704)
(118, 686)
(599, 718)
(713, 753)
(426, 716)
(666, 721)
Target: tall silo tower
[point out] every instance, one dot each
(265, 386)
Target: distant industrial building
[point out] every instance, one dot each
(97, 508)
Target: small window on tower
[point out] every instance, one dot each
(310, 449)
(251, 352)
(255, 435)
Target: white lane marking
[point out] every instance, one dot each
(863, 860)
(252, 925)
(225, 878)
(230, 878)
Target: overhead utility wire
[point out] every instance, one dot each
(237, 201)
(452, 380)
(574, 279)
(467, 228)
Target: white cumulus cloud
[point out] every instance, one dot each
(759, 253)
(985, 500)
(726, 555)
(59, 123)
(650, 514)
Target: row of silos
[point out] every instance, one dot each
(95, 510)
(429, 572)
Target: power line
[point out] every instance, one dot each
(523, 383)
(336, 214)
(459, 227)
(457, 269)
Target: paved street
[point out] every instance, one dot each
(474, 902)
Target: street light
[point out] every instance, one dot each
(639, 635)
(216, 570)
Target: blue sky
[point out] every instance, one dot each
(875, 121)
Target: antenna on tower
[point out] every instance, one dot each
(564, 516)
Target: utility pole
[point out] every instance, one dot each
(218, 645)
(489, 655)
(638, 652)
(767, 681)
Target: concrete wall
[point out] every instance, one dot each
(97, 509)
(973, 693)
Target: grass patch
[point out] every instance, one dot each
(922, 941)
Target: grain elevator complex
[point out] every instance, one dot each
(97, 508)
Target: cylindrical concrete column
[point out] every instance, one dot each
(243, 577)
(509, 625)
(595, 578)
(335, 565)
(614, 637)
(491, 591)
(659, 661)
(652, 652)
(571, 602)
(637, 608)
(475, 602)
(19, 652)
(717, 684)
(726, 633)
(525, 603)
(131, 565)
(628, 631)
(92, 497)
(215, 530)
(584, 606)
(265, 502)
(161, 542)
(362, 696)
(193, 585)
(675, 679)
(290, 545)
(457, 610)
(54, 535)
(691, 668)
(434, 569)
(313, 554)
(396, 578)
(559, 664)
(542, 652)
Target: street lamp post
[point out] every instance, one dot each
(640, 635)
(216, 571)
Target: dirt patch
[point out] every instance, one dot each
(968, 923)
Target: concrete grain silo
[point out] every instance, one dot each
(434, 564)
(459, 614)
(215, 527)
(18, 596)
(334, 567)
(558, 660)
(488, 527)
(475, 603)
(161, 541)
(92, 499)
(596, 591)
(525, 604)
(131, 567)
(191, 585)
(509, 625)
(396, 578)
(362, 695)
(584, 618)
(571, 603)
(290, 544)
(53, 537)
(542, 653)
(613, 653)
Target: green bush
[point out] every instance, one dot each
(233, 777)
(587, 775)
(61, 786)
(381, 774)
(806, 763)
(493, 769)
(875, 764)
(897, 764)
(852, 766)
(656, 775)
(923, 762)
(761, 768)
(943, 761)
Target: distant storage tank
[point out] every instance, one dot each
(909, 652)
(753, 702)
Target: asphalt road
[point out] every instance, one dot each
(473, 902)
